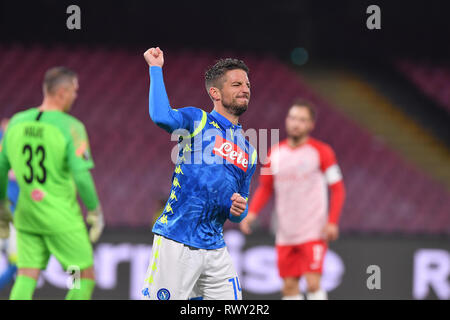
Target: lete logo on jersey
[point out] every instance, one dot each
(231, 152)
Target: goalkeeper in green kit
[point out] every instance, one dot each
(48, 150)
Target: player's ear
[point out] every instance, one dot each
(214, 93)
(58, 93)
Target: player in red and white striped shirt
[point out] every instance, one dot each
(301, 170)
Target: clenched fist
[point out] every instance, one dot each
(330, 232)
(238, 205)
(154, 57)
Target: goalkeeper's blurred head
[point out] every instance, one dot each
(60, 85)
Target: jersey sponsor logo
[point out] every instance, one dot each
(37, 195)
(231, 152)
(163, 294)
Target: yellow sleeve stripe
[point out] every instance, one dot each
(254, 157)
(200, 127)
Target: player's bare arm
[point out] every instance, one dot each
(246, 224)
(331, 232)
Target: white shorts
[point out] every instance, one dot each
(179, 272)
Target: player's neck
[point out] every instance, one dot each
(230, 117)
(49, 105)
(294, 142)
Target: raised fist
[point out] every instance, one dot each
(238, 205)
(154, 57)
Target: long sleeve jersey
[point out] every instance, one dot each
(214, 161)
(50, 156)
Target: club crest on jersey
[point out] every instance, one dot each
(163, 294)
(231, 152)
(37, 195)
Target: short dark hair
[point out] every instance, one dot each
(55, 76)
(215, 73)
(303, 103)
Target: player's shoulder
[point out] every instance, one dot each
(24, 115)
(276, 147)
(320, 145)
(68, 122)
(326, 152)
(71, 119)
(68, 125)
(192, 112)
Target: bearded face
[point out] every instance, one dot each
(235, 92)
(236, 106)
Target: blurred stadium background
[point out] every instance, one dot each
(383, 98)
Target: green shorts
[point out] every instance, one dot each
(71, 248)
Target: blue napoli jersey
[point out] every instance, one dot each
(214, 161)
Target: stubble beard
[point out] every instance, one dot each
(234, 108)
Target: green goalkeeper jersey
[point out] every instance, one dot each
(44, 149)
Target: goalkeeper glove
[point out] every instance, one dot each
(5, 219)
(95, 220)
